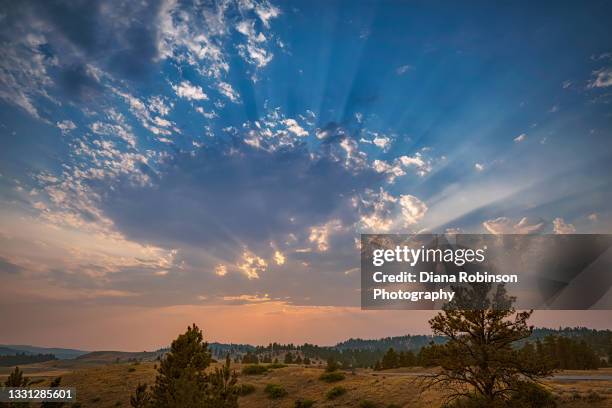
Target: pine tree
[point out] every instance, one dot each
(390, 359)
(307, 360)
(223, 392)
(288, 358)
(16, 379)
(182, 381)
(479, 356)
(332, 365)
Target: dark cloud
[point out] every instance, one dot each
(120, 37)
(9, 267)
(247, 196)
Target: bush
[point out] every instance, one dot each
(245, 389)
(275, 391)
(254, 369)
(276, 365)
(335, 392)
(530, 395)
(131, 370)
(303, 403)
(332, 377)
(527, 395)
(594, 397)
(367, 404)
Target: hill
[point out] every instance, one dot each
(59, 353)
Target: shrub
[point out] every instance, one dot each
(303, 403)
(276, 365)
(593, 397)
(131, 370)
(530, 395)
(367, 404)
(275, 391)
(335, 392)
(254, 369)
(332, 377)
(246, 389)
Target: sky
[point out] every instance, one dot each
(168, 162)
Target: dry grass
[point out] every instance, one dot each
(111, 386)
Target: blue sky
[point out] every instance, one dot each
(228, 153)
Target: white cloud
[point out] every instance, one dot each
(479, 166)
(279, 257)
(561, 227)
(603, 78)
(189, 91)
(566, 84)
(413, 209)
(504, 225)
(65, 126)
(520, 138)
(226, 89)
(220, 270)
(593, 217)
(553, 109)
(295, 128)
(403, 69)
(252, 265)
(382, 212)
(319, 235)
(382, 141)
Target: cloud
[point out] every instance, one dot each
(220, 270)
(504, 225)
(398, 167)
(593, 217)
(413, 209)
(561, 227)
(65, 126)
(293, 127)
(520, 138)
(319, 235)
(189, 91)
(252, 265)
(226, 89)
(382, 212)
(479, 166)
(404, 69)
(602, 78)
(9, 267)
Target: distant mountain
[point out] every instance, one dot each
(59, 353)
(118, 356)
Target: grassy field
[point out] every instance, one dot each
(110, 385)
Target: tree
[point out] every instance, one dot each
(479, 360)
(298, 359)
(48, 404)
(223, 391)
(390, 359)
(307, 360)
(141, 398)
(289, 358)
(182, 380)
(332, 365)
(18, 380)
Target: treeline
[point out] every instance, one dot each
(366, 353)
(564, 353)
(23, 358)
